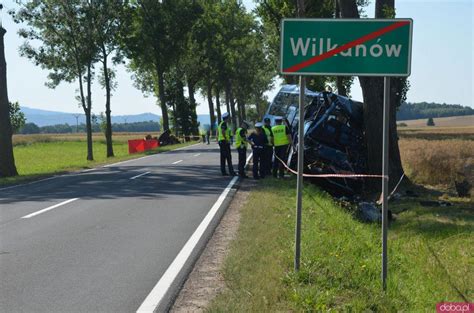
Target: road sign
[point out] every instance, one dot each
(363, 47)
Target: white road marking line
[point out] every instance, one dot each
(50, 208)
(140, 175)
(158, 292)
(151, 155)
(108, 165)
(177, 162)
(197, 154)
(89, 170)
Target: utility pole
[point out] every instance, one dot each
(77, 121)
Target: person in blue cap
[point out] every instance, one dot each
(258, 140)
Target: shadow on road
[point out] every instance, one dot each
(115, 183)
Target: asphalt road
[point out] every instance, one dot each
(99, 241)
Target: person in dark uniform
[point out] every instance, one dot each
(224, 136)
(281, 140)
(241, 145)
(268, 150)
(258, 140)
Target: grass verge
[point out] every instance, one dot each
(430, 259)
(40, 159)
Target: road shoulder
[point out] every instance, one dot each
(205, 281)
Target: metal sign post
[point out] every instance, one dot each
(386, 116)
(299, 181)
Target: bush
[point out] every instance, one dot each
(430, 122)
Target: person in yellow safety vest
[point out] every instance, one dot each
(268, 149)
(223, 137)
(241, 144)
(281, 140)
(203, 135)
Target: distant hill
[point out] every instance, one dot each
(48, 118)
(422, 110)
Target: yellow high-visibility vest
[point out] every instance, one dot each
(220, 133)
(279, 135)
(268, 134)
(239, 141)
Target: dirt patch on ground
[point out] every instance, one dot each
(205, 281)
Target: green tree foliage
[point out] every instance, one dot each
(30, 128)
(272, 11)
(154, 39)
(17, 118)
(63, 36)
(413, 111)
(430, 122)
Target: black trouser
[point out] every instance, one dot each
(226, 156)
(267, 155)
(258, 161)
(280, 152)
(242, 158)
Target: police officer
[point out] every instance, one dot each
(268, 150)
(281, 140)
(241, 144)
(258, 140)
(224, 136)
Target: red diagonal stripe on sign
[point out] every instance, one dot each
(348, 45)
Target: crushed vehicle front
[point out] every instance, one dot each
(333, 137)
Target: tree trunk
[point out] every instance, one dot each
(211, 104)
(162, 98)
(341, 88)
(372, 90)
(90, 153)
(108, 127)
(232, 104)
(192, 103)
(7, 160)
(227, 100)
(218, 105)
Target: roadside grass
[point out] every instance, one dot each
(430, 256)
(42, 158)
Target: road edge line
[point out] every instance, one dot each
(160, 299)
(157, 294)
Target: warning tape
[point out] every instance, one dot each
(331, 175)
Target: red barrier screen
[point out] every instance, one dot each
(140, 145)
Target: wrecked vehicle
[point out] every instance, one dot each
(333, 136)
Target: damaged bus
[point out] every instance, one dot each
(334, 140)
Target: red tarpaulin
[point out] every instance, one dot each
(140, 145)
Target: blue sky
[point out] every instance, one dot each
(442, 64)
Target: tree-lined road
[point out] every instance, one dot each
(100, 240)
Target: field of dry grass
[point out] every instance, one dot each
(438, 156)
(453, 121)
